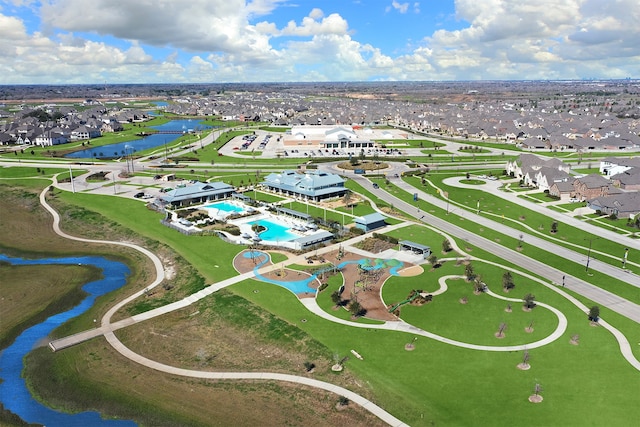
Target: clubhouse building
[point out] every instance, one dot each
(311, 185)
(200, 192)
(325, 137)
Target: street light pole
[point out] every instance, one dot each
(624, 259)
(588, 256)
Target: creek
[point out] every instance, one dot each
(14, 394)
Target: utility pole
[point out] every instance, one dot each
(73, 185)
(588, 256)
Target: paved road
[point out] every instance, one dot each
(598, 295)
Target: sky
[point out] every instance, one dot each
(216, 41)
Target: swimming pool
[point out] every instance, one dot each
(274, 231)
(225, 207)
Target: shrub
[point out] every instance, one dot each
(357, 231)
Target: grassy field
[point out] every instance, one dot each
(243, 329)
(31, 293)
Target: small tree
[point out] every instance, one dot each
(507, 281)
(433, 260)
(594, 313)
(478, 284)
(336, 298)
(356, 308)
(446, 245)
(529, 301)
(554, 227)
(501, 329)
(469, 273)
(347, 198)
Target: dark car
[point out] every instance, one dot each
(139, 195)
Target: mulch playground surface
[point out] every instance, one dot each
(358, 283)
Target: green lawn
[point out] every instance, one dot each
(438, 383)
(428, 384)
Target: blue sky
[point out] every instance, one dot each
(145, 41)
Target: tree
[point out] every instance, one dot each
(446, 245)
(433, 260)
(507, 281)
(346, 198)
(554, 227)
(356, 309)
(529, 301)
(478, 284)
(594, 313)
(336, 298)
(469, 273)
(501, 329)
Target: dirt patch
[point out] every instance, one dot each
(535, 398)
(414, 270)
(375, 245)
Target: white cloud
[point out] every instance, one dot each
(332, 24)
(542, 39)
(400, 7)
(237, 40)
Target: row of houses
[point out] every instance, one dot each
(69, 125)
(614, 191)
(535, 125)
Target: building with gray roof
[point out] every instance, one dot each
(200, 192)
(311, 185)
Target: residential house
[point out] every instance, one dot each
(545, 177)
(563, 189)
(591, 186)
(519, 167)
(610, 166)
(623, 205)
(84, 132)
(628, 180)
(50, 138)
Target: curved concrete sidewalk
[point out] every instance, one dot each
(107, 331)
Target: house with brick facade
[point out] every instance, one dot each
(591, 186)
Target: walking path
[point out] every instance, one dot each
(594, 293)
(107, 328)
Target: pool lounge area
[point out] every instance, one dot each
(221, 210)
(283, 232)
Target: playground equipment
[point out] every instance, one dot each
(407, 301)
